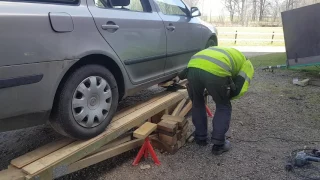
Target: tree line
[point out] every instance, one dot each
(258, 10)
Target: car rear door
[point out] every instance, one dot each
(183, 34)
(136, 34)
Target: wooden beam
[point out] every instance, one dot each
(168, 127)
(157, 117)
(145, 130)
(128, 110)
(180, 120)
(12, 173)
(106, 154)
(185, 128)
(166, 84)
(48, 165)
(170, 140)
(113, 143)
(186, 109)
(177, 110)
(163, 146)
(40, 152)
(170, 122)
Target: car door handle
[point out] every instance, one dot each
(171, 27)
(110, 27)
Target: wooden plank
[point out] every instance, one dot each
(189, 135)
(40, 152)
(168, 127)
(179, 134)
(106, 154)
(180, 120)
(157, 118)
(165, 132)
(185, 128)
(181, 142)
(156, 143)
(11, 166)
(170, 122)
(145, 130)
(186, 109)
(170, 140)
(166, 84)
(45, 166)
(12, 174)
(128, 110)
(112, 144)
(177, 110)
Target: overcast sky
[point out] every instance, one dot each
(215, 5)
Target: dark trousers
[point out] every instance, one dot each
(199, 80)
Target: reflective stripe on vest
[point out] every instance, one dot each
(244, 89)
(225, 53)
(244, 75)
(246, 72)
(213, 60)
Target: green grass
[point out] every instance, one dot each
(269, 60)
(279, 59)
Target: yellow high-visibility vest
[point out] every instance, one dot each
(224, 62)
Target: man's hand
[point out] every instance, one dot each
(176, 79)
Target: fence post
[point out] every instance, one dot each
(235, 38)
(272, 37)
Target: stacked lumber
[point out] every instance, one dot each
(173, 129)
(66, 156)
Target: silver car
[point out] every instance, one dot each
(69, 62)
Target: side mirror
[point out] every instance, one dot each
(195, 12)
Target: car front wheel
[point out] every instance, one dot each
(211, 42)
(86, 103)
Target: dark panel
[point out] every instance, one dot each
(19, 81)
(302, 37)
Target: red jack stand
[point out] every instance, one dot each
(208, 111)
(146, 147)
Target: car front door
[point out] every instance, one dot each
(135, 32)
(183, 34)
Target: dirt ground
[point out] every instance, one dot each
(272, 119)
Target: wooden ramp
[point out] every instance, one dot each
(65, 156)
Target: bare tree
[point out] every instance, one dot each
(192, 3)
(242, 11)
(254, 10)
(232, 7)
(263, 8)
(275, 10)
(291, 4)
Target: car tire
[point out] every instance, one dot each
(86, 103)
(211, 42)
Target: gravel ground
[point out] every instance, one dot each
(272, 119)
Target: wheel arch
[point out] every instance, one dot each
(99, 59)
(214, 37)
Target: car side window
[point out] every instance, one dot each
(172, 7)
(127, 5)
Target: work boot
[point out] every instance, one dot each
(201, 142)
(219, 149)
